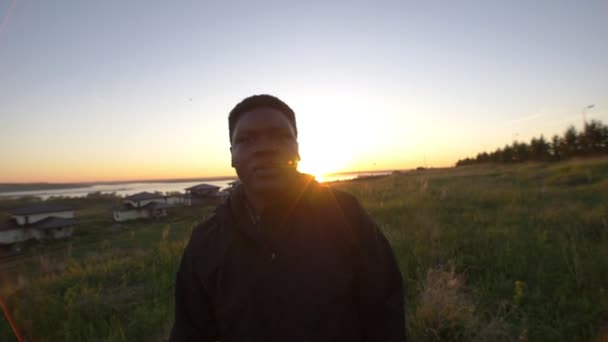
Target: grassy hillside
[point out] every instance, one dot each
(488, 253)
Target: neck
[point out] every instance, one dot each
(261, 200)
(258, 201)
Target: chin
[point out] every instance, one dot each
(269, 185)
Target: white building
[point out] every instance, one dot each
(145, 205)
(204, 194)
(38, 221)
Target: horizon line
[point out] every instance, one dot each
(187, 179)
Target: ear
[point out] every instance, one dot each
(297, 151)
(231, 157)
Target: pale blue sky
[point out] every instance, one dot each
(141, 89)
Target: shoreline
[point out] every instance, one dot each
(42, 186)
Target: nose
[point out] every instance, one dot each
(267, 144)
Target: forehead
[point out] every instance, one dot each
(262, 119)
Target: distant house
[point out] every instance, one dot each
(145, 205)
(38, 221)
(175, 199)
(202, 190)
(204, 194)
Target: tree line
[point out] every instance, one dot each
(591, 141)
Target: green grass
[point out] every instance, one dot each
(487, 252)
(106, 283)
(544, 226)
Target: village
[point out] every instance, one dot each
(48, 221)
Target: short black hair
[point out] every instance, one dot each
(258, 101)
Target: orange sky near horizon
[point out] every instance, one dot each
(374, 136)
(91, 93)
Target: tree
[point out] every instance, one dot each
(507, 155)
(496, 156)
(594, 138)
(540, 149)
(570, 143)
(556, 147)
(521, 152)
(482, 157)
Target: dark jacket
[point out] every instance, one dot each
(314, 268)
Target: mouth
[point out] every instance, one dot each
(272, 169)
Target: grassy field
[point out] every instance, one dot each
(488, 253)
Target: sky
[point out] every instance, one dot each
(131, 90)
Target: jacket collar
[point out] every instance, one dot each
(273, 219)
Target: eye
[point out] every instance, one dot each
(246, 140)
(284, 136)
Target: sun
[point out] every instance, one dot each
(316, 170)
(334, 130)
(319, 158)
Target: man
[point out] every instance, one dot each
(285, 258)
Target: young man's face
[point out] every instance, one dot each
(264, 150)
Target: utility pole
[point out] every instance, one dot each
(584, 112)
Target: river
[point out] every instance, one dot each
(126, 189)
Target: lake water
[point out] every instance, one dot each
(126, 189)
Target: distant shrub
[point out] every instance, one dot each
(446, 311)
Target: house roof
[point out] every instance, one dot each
(47, 223)
(54, 222)
(40, 208)
(203, 187)
(144, 196)
(123, 207)
(151, 205)
(154, 205)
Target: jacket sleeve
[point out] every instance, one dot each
(380, 292)
(193, 312)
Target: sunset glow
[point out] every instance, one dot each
(374, 87)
